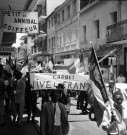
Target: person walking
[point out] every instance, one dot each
(116, 123)
(20, 99)
(64, 97)
(2, 96)
(120, 78)
(53, 119)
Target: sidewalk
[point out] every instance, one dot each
(27, 128)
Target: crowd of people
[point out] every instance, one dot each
(16, 97)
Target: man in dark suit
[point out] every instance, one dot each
(53, 119)
(20, 98)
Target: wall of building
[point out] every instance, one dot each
(102, 12)
(51, 35)
(67, 29)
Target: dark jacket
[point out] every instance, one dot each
(47, 119)
(3, 92)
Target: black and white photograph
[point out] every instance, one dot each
(63, 67)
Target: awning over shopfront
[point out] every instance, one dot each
(106, 49)
(65, 53)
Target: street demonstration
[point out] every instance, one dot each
(93, 95)
(63, 67)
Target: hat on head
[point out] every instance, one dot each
(60, 85)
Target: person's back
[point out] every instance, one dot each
(2, 97)
(20, 91)
(120, 78)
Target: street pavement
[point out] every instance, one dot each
(79, 124)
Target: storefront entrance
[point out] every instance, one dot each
(125, 60)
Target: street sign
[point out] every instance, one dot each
(20, 21)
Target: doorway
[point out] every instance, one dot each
(125, 61)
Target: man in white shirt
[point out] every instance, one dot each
(120, 78)
(115, 124)
(53, 119)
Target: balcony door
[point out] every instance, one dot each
(125, 60)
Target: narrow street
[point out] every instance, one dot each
(79, 123)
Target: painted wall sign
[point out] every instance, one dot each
(20, 21)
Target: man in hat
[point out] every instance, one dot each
(53, 119)
(64, 97)
(63, 94)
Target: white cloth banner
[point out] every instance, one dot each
(41, 81)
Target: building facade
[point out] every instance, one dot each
(103, 24)
(62, 31)
(39, 49)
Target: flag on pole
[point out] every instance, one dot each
(25, 63)
(98, 96)
(74, 67)
(24, 67)
(111, 73)
(52, 60)
(8, 67)
(11, 63)
(15, 65)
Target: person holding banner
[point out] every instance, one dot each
(115, 119)
(30, 100)
(19, 99)
(64, 97)
(53, 118)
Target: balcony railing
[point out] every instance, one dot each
(117, 32)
